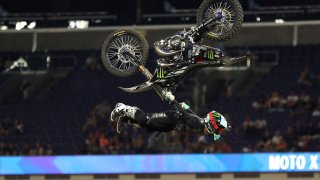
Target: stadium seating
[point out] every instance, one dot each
(58, 119)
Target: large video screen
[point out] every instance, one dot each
(135, 164)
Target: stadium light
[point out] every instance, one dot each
(3, 27)
(78, 24)
(279, 21)
(20, 25)
(32, 25)
(98, 21)
(258, 19)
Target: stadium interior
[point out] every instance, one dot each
(56, 97)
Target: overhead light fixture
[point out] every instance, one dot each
(72, 25)
(20, 25)
(98, 21)
(279, 21)
(3, 27)
(258, 19)
(78, 24)
(32, 25)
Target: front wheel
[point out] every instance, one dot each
(230, 14)
(124, 51)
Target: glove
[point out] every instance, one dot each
(185, 106)
(215, 137)
(168, 96)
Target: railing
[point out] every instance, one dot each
(178, 16)
(189, 16)
(59, 19)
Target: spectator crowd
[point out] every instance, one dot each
(100, 137)
(13, 128)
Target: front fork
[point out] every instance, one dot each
(200, 29)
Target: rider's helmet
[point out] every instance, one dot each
(215, 123)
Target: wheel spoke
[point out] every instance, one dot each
(114, 62)
(129, 67)
(126, 39)
(121, 40)
(112, 55)
(114, 45)
(118, 43)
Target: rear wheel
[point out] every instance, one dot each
(123, 51)
(230, 13)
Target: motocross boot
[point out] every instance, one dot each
(122, 114)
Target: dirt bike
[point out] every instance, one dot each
(124, 52)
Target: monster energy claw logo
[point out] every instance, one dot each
(160, 73)
(210, 55)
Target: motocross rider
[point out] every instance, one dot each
(213, 124)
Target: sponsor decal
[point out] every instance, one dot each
(293, 162)
(160, 73)
(210, 55)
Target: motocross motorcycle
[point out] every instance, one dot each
(124, 52)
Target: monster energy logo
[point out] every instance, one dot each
(210, 55)
(160, 73)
